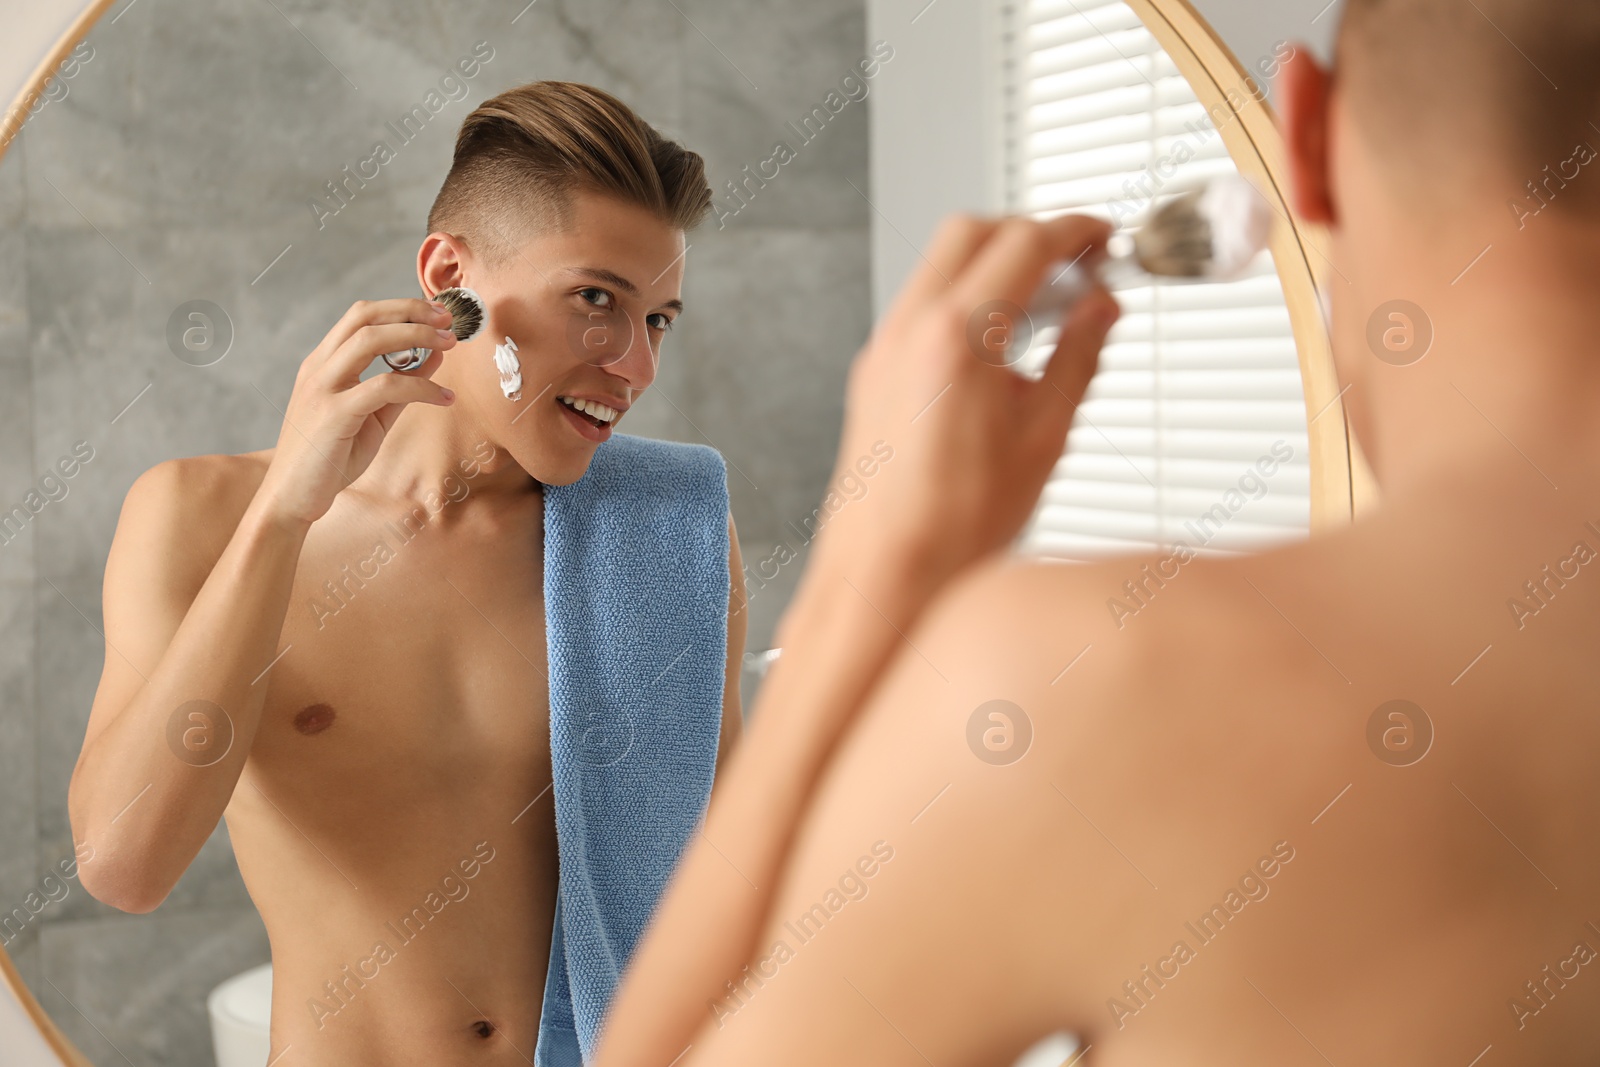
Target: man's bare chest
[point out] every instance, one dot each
(412, 644)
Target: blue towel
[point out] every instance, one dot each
(636, 612)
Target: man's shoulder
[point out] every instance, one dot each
(1210, 697)
(1153, 631)
(1147, 601)
(187, 509)
(201, 484)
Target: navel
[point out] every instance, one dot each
(483, 1028)
(314, 719)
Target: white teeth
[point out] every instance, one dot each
(591, 407)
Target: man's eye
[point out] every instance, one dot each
(598, 297)
(659, 321)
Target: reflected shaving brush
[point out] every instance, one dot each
(1209, 234)
(467, 315)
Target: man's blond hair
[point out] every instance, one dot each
(520, 156)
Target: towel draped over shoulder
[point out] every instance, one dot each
(636, 612)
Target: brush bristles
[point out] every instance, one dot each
(466, 311)
(1176, 242)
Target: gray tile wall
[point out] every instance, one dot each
(177, 168)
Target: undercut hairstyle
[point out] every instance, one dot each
(1493, 86)
(521, 156)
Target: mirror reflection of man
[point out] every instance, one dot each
(429, 643)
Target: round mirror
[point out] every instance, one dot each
(192, 194)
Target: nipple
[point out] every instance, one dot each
(314, 719)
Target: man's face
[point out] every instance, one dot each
(587, 308)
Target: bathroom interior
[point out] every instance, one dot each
(197, 153)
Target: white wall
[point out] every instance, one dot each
(933, 130)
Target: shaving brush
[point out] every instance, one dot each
(1209, 234)
(467, 316)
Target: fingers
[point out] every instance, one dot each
(379, 312)
(1077, 354)
(955, 242)
(367, 343)
(382, 390)
(1013, 261)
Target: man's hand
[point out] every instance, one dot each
(335, 421)
(973, 440)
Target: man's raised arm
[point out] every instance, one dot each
(190, 631)
(969, 446)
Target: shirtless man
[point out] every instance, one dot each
(1220, 846)
(392, 747)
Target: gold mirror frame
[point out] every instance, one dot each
(33, 88)
(1341, 484)
(65, 1051)
(54, 1040)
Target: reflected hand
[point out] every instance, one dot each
(973, 441)
(335, 421)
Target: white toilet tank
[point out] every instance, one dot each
(241, 1011)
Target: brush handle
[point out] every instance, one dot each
(410, 359)
(1068, 283)
(467, 314)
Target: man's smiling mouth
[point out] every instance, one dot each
(596, 412)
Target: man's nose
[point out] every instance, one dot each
(632, 357)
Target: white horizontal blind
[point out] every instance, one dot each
(1197, 383)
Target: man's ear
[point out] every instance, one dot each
(441, 262)
(1304, 91)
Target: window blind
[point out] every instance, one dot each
(1197, 404)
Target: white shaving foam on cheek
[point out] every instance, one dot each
(510, 368)
(1241, 225)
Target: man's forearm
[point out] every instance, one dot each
(227, 638)
(837, 638)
